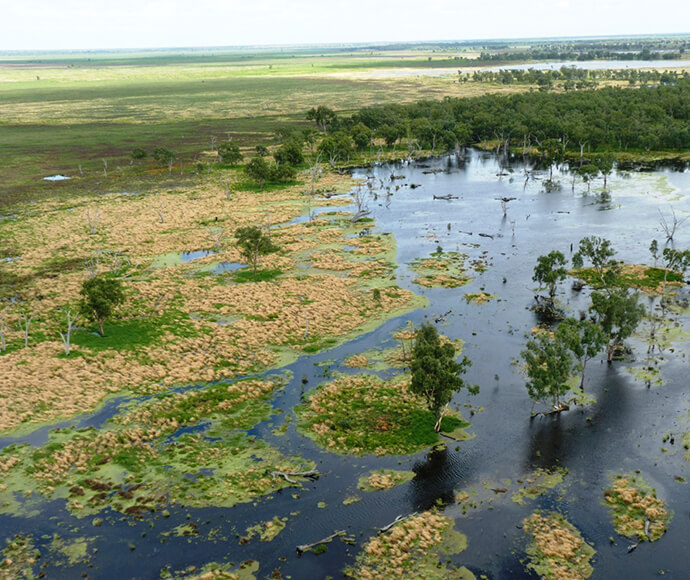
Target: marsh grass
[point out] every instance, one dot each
(413, 549)
(557, 551)
(635, 506)
(358, 414)
(633, 276)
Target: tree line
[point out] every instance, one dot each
(610, 119)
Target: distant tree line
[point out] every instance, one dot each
(610, 119)
(572, 78)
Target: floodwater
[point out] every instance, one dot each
(621, 433)
(579, 64)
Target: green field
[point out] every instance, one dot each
(58, 112)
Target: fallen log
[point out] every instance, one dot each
(557, 409)
(326, 540)
(313, 474)
(446, 197)
(395, 522)
(486, 236)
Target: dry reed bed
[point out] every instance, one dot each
(557, 550)
(39, 386)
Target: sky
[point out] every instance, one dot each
(94, 24)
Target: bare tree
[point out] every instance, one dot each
(227, 190)
(92, 216)
(116, 262)
(3, 329)
(213, 142)
(25, 319)
(315, 172)
(105, 167)
(67, 336)
(671, 225)
(360, 199)
(91, 265)
(268, 223)
(170, 164)
(160, 210)
(504, 203)
(216, 235)
(81, 171)
(333, 157)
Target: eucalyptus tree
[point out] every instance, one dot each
(436, 372)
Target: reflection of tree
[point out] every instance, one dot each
(557, 438)
(434, 480)
(546, 446)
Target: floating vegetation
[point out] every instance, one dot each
(412, 549)
(212, 571)
(19, 558)
(358, 414)
(637, 512)
(639, 276)
(384, 479)
(444, 270)
(266, 531)
(73, 551)
(356, 361)
(557, 550)
(537, 483)
(478, 298)
(182, 447)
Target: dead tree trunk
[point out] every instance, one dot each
(67, 336)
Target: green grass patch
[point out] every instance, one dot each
(190, 447)
(631, 276)
(269, 186)
(441, 270)
(132, 334)
(244, 276)
(358, 414)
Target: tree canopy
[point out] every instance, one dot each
(254, 243)
(100, 296)
(435, 372)
(549, 271)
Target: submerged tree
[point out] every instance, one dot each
(618, 313)
(435, 372)
(549, 271)
(548, 363)
(599, 252)
(584, 338)
(254, 243)
(100, 296)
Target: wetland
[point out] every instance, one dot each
(208, 467)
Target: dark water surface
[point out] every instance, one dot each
(621, 433)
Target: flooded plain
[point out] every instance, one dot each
(628, 429)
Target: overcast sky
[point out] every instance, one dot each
(84, 24)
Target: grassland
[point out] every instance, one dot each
(60, 113)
